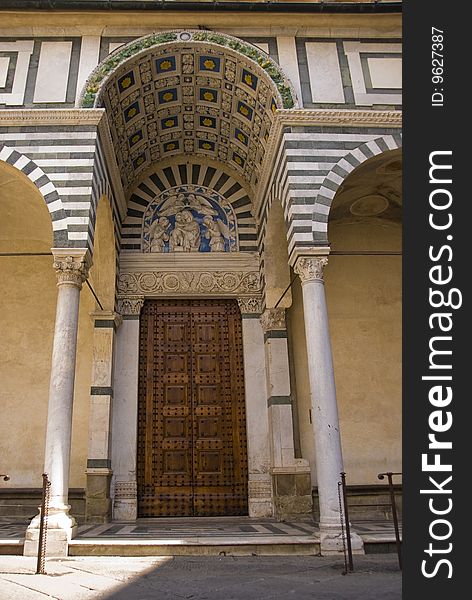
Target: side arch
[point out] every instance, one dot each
(46, 188)
(338, 174)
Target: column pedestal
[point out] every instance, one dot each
(329, 462)
(71, 267)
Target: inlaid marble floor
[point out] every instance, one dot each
(215, 527)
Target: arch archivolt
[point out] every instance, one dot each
(341, 170)
(44, 185)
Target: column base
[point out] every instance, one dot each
(292, 492)
(125, 504)
(97, 496)
(61, 528)
(260, 503)
(331, 541)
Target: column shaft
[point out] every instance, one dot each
(71, 267)
(325, 419)
(61, 393)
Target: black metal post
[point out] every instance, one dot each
(348, 526)
(43, 526)
(389, 475)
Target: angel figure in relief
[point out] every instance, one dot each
(216, 232)
(158, 235)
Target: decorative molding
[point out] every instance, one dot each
(339, 117)
(52, 116)
(125, 490)
(272, 319)
(107, 316)
(71, 270)
(250, 305)
(233, 283)
(311, 268)
(130, 305)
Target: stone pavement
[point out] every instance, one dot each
(201, 578)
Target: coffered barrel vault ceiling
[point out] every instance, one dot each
(194, 98)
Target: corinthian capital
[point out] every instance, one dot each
(250, 305)
(130, 305)
(71, 269)
(310, 268)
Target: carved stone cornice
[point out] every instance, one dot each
(52, 116)
(311, 268)
(250, 305)
(232, 283)
(340, 117)
(71, 270)
(130, 305)
(272, 319)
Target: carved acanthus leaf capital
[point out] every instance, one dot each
(130, 305)
(273, 318)
(250, 305)
(71, 270)
(311, 268)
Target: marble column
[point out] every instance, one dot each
(329, 461)
(291, 476)
(97, 499)
(257, 419)
(125, 411)
(71, 268)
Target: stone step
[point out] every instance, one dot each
(197, 547)
(11, 547)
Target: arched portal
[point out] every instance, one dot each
(190, 116)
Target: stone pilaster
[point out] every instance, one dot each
(125, 410)
(329, 462)
(260, 497)
(98, 502)
(290, 475)
(71, 268)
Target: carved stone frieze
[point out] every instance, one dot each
(188, 282)
(250, 305)
(273, 318)
(311, 268)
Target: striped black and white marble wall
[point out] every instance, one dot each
(67, 165)
(311, 164)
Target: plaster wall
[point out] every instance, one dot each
(27, 316)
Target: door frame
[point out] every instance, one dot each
(179, 276)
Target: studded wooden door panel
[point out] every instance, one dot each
(192, 456)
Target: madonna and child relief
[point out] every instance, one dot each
(189, 218)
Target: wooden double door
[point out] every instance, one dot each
(192, 456)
